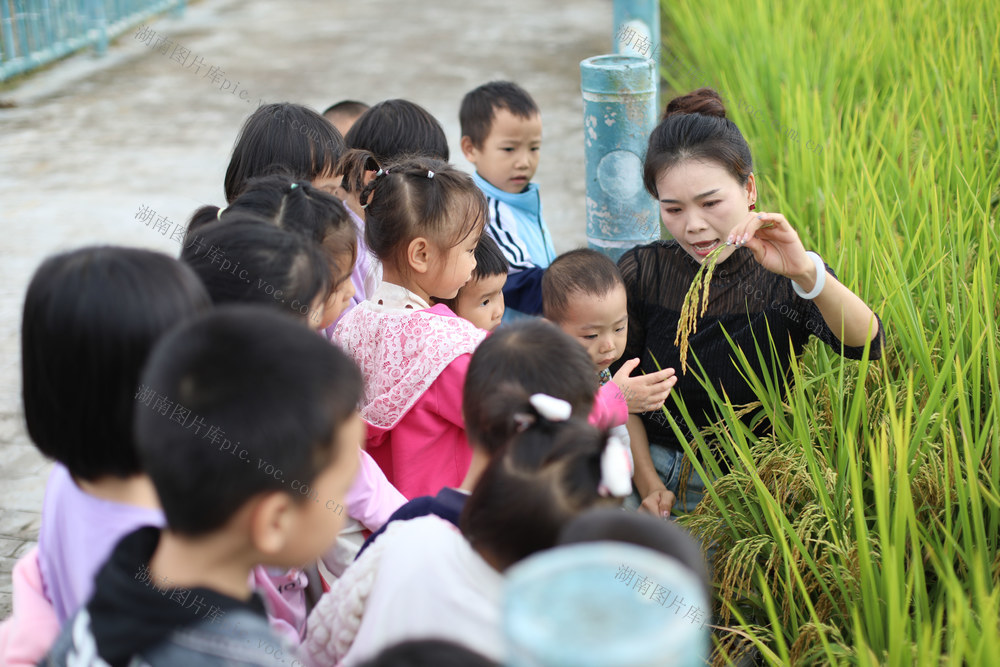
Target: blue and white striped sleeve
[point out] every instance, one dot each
(502, 227)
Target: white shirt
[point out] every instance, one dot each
(426, 582)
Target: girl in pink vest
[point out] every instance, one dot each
(423, 222)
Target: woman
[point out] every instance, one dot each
(699, 168)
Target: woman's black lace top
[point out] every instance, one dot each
(744, 298)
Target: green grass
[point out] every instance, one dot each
(867, 529)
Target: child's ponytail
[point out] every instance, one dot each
(525, 357)
(550, 471)
(202, 217)
(295, 206)
(353, 166)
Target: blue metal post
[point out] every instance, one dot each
(619, 112)
(643, 18)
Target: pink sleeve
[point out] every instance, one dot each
(610, 408)
(427, 449)
(285, 599)
(372, 499)
(29, 633)
(447, 390)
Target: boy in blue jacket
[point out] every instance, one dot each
(502, 137)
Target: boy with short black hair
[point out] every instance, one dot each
(584, 295)
(481, 300)
(343, 114)
(502, 137)
(263, 411)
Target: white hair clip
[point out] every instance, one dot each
(430, 174)
(552, 408)
(616, 472)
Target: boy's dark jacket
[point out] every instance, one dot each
(131, 621)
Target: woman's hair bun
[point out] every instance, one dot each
(704, 101)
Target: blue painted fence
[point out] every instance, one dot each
(36, 32)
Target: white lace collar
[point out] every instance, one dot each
(389, 296)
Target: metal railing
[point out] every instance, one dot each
(36, 32)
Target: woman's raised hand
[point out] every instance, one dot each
(776, 246)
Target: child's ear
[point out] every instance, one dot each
(469, 150)
(272, 522)
(418, 255)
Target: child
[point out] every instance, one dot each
(424, 578)
(248, 260)
(389, 131)
(481, 299)
(532, 354)
(393, 129)
(298, 207)
(502, 137)
(287, 137)
(344, 114)
(283, 270)
(424, 222)
(428, 653)
(644, 530)
(584, 295)
(91, 317)
(265, 406)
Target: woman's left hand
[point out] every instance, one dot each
(775, 245)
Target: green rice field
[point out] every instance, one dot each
(866, 530)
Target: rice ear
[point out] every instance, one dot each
(690, 311)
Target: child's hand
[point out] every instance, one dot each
(659, 503)
(644, 393)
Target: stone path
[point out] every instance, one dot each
(91, 141)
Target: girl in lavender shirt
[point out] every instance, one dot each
(91, 317)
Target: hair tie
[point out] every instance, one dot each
(379, 172)
(218, 214)
(616, 470)
(430, 174)
(523, 421)
(552, 408)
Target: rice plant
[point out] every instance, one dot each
(866, 528)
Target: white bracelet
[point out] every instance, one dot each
(820, 278)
